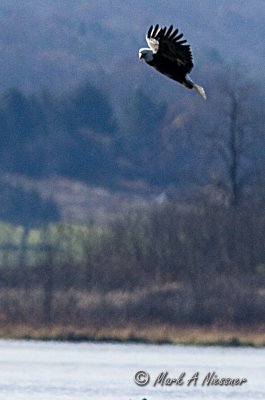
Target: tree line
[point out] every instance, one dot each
(143, 143)
(197, 257)
(85, 134)
(176, 263)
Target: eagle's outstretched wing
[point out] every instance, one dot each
(166, 43)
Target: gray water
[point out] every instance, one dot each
(49, 370)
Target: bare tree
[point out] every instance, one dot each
(234, 139)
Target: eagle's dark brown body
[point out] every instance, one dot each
(170, 70)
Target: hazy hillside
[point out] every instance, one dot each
(59, 42)
(79, 112)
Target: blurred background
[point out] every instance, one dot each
(125, 198)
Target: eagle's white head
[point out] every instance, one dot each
(146, 54)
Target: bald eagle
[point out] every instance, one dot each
(170, 55)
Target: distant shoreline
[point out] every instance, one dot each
(193, 335)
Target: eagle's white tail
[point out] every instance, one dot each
(197, 87)
(200, 90)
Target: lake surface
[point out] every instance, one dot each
(50, 370)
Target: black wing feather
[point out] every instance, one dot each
(155, 31)
(174, 34)
(171, 48)
(161, 33)
(149, 31)
(179, 36)
(170, 29)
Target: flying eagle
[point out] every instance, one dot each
(168, 54)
